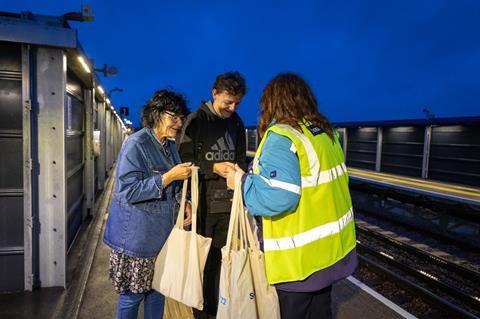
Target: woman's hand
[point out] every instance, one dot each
(188, 215)
(177, 173)
(231, 176)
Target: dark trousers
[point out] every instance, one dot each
(306, 305)
(214, 226)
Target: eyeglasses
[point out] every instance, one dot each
(175, 117)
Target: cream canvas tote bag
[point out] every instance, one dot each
(179, 266)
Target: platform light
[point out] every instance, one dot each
(450, 129)
(100, 89)
(84, 64)
(363, 129)
(403, 129)
(108, 101)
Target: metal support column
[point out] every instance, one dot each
(101, 157)
(89, 172)
(108, 137)
(345, 142)
(51, 84)
(115, 139)
(426, 150)
(27, 171)
(378, 160)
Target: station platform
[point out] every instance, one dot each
(91, 295)
(454, 192)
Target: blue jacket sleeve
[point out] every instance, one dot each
(134, 182)
(277, 188)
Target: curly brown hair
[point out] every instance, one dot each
(288, 99)
(163, 101)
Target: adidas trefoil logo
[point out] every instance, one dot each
(222, 150)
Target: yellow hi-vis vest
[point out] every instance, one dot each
(321, 231)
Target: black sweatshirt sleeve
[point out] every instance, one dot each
(185, 141)
(241, 147)
(189, 146)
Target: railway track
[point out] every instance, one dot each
(442, 283)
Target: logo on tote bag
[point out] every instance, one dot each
(223, 300)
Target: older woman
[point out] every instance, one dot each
(145, 202)
(299, 185)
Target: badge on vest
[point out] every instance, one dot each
(315, 130)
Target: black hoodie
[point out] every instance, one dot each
(206, 139)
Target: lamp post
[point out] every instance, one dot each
(108, 70)
(115, 89)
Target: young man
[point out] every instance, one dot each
(213, 138)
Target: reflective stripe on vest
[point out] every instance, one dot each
(283, 185)
(270, 244)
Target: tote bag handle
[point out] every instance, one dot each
(194, 201)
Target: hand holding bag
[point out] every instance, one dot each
(244, 290)
(179, 266)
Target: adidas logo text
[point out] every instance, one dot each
(222, 150)
(220, 156)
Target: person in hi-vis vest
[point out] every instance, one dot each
(299, 185)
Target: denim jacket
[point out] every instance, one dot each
(142, 211)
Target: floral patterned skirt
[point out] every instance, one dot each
(131, 273)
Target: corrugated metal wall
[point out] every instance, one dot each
(402, 150)
(11, 169)
(455, 154)
(252, 139)
(75, 155)
(362, 147)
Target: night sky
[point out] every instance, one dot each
(365, 60)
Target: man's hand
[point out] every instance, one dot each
(223, 168)
(188, 215)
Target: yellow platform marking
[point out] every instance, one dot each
(451, 189)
